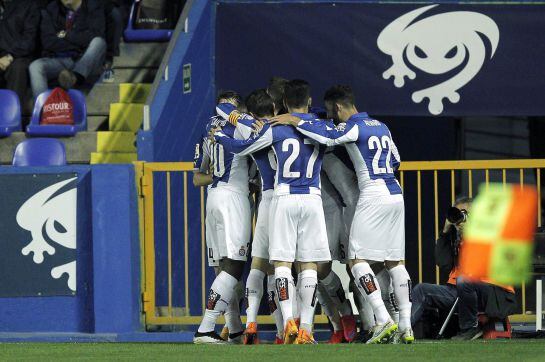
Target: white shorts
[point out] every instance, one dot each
(378, 229)
(228, 226)
(260, 243)
(297, 229)
(337, 235)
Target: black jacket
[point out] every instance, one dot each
(499, 302)
(19, 28)
(89, 23)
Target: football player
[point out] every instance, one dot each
(227, 227)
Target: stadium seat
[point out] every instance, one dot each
(10, 113)
(39, 152)
(144, 35)
(80, 118)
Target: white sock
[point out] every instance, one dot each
(328, 306)
(254, 293)
(285, 289)
(402, 290)
(232, 314)
(273, 306)
(364, 309)
(308, 281)
(387, 292)
(333, 286)
(219, 297)
(368, 286)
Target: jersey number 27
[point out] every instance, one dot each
(295, 150)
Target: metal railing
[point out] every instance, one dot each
(175, 272)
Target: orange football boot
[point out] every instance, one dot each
(290, 332)
(303, 337)
(250, 334)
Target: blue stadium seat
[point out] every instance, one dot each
(39, 152)
(144, 35)
(80, 118)
(10, 113)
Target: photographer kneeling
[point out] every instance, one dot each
(473, 297)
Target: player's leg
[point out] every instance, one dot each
(401, 280)
(282, 245)
(232, 313)
(387, 290)
(254, 294)
(274, 308)
(312, 248)
(332, 313)
(367, 317)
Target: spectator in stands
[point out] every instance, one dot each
(496, 301)
(72, 33)
(114, 31)
(18, 34)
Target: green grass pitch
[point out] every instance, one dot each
(514, 351)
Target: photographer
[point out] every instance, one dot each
(495, 301)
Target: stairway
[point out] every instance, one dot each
(118, 144)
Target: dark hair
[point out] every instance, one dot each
(463, 200)
(296, 93)
(260, 103)
(276, 91)
(228, 94)
(340, 94)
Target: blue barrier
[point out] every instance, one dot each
(108, 263)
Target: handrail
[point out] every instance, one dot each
(471, 165)
(181, 27)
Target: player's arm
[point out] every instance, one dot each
(202, 176)
(244, 123)
(245, 147)
(396, 160)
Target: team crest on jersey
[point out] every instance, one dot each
(368, 283)
(436, 45)
(213, 298)
(282, 289)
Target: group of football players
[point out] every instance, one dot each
(327, 192)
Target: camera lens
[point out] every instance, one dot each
(456, 216)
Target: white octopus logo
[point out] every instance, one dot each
(51, 217)
(438, 44)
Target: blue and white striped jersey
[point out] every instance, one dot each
(371, 149)
(299, 158)
(229, 171)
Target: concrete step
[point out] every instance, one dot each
(97, 123)
(126, 117)
(134, 75)
(135, 55)
(116, 142)
(134, 92)
(78, 148)
(100, 97)
(113, 157)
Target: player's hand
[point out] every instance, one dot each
(212, 133)
(285, 119)
(447, 226)
(5, 62)
(258, 125)
(61, 34)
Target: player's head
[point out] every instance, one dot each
(260, 104)
(297, 95)
(276, 91)
(229, 96)
(339, 102)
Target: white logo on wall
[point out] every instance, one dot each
(51, 216)
(436, 45)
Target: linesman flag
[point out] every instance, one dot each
(498, 237)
